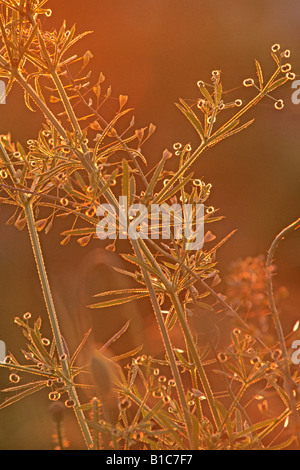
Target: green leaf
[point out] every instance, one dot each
(20, 396)
(163, 196)
(154, 179)
(206, 94)
(79, 348)
(182, 359)
(27, 101)
(131, 353)
(113, 302)
(115, 337)
(228, 134)
(132, 190)
(191, 116)
(224, 415)
(122, 291)
(276, 84)
(283, 445)
(79, 231)
(125, 181)
(259, 74)
(142, 264)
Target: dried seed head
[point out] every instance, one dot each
(172, 383)
(83, 241)
(276, 354)
(14, 378)
(64, 201)
(238, 102)
(3, 174)
(69, 403)
(177, 146)
(54, 396)
(167, 154)
(290, 75)
(124, 404)
(209, 119)
(248, 82)
(286, 68)
(210, 210)
(275, 47)
(200, 83)
(20, 224)
(27, 316)
(45, 341)
(90, 212)
(200, 103)
(222, 357)
(162, 379)
(155, 371)
(255, 360)
(279, 104)
(286, 53)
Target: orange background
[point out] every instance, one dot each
(155, 52)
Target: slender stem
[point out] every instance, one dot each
(195, 356)
(37, 250)
(167, 343)
(60, 436)
(289, 384)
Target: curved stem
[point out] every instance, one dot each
(289, 384)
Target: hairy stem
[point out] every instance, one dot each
(289, 384)
(37, 250)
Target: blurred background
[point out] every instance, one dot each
(155, 52)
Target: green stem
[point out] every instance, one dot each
(37, 250)
(167, 343)
(195, 356)
(288, 381)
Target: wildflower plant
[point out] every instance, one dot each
(78, 161)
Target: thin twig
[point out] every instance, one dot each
(289, 384)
